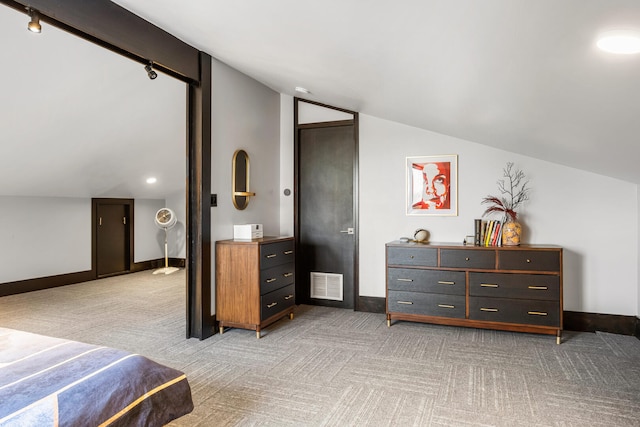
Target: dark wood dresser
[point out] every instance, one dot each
(508, 288)
(255, 282)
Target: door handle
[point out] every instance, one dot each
(347, 231)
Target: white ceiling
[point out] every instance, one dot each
(81, 121)
(520, 75)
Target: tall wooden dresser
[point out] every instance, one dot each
(508, 288)
(255, 282)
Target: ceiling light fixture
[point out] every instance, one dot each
(620, 42)
(34, 24)
(149, 68)
(151, 180)
(302, 90)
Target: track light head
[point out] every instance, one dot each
(149, 68)
(34, 24)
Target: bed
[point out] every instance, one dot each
(47, 381)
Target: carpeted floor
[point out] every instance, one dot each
(332, 367)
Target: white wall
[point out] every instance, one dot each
(47, 236)
(44, 236)
(245, 115)
(177, 236)
(286, 159)
(148, 239)
(566, 208)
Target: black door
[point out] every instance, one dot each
(326, 213)
(112, 238)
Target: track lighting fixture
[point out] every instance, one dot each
(34, 24)
(149, 68)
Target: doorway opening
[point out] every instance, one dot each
(111, 237)
(326, 205)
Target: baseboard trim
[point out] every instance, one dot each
(29, 285)
(157, 263)
(592, 322)
(372, 304)
(40, 283)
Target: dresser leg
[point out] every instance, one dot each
(388, 321)
(559, 337)
(258, 333)
(221, 330)
(291, 316)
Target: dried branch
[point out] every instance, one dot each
(514, 189)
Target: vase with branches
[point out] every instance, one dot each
(514, 191)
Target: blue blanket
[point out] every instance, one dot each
(47, 381)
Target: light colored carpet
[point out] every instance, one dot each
(333, 367)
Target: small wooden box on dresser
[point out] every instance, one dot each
(255, 282)
(515, 288)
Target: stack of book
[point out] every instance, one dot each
(488, 232)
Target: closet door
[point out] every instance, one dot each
(326, 215)
(112, 237)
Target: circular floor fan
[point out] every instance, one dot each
(165, 219)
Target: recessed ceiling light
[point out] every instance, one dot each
(620, 42)
(151, 180)
(302, 90)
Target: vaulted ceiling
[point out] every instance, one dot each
(519, 75)
(81, 121)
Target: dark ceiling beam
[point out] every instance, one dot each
(115, 28)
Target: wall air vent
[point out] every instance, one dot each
(326, 286)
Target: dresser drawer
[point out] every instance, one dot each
(520, 286)
(534, 312)
(431, 281)
(277, 301)
(426, 257)
(426, 304)
(272, 254)
(529, 260)
(276, 277)
(467, 258)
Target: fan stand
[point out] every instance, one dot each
(166, 269)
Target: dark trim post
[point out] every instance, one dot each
(200, 322)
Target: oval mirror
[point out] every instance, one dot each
(240, 180)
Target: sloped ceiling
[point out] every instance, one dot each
(81, 121)
(520, 75)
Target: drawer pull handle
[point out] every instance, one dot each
(273, 279)
(488, 309)
(537, 313)
(444, 282)
(528, 260)
(272, 255)
(404, 280)
(405, 302)
(540, 288)
(466, 259)
(488, 285)
(273, 304)
(410, 256)
(288, 297)
(446, 306)
(288, 274)
(287, 252)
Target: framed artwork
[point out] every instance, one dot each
(432, 185)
